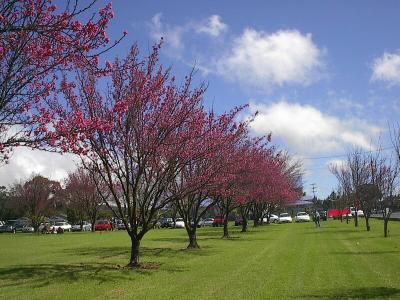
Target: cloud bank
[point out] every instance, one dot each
(309, 131)
(262, 60)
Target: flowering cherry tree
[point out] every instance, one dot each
(36, 198)
(39, 41)
(139, 135)
(82, 195)
(197, 186)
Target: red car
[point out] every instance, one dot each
(103, 225)
(218, 220)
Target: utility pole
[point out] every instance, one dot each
(314, 188)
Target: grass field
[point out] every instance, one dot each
(277, 261)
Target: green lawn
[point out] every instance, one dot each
(276, 261)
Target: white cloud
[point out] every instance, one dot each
(263, 60)
(213, 26)
(26, 162)
(307, 130)
(387, 68)
(172, 35)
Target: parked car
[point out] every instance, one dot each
(218, 220)
(27, 228)
(9, 226)
(302, 217)
(238, 221)
(208, 222)
(284, 218)
(322, 215)
(103, 225)
(166, 222)
(86, 226)
(120, 225)
(360, 213)
(272, 219)
(64, 225)
(179, 223)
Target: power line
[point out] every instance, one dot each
(344, 155)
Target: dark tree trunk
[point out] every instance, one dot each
(226, 233)
(192, 239)
(81, 224)
(356, 219)
(134, 261)
(244, 218)
(367, 222)
(244, 225)
(93, 220)
(255, 224)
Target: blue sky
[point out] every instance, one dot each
(324, 75)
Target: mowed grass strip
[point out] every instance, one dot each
(276, 261)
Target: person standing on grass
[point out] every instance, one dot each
(317, 219)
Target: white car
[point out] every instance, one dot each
(284, 218)
(360, 213)
(179, 223)
(302, 217)
(272, 219)
(86, 226)
(64, 225)
(208, 222)
(27, 228)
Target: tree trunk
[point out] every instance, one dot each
(356, 219)
(93, 224)
(226, 233)
(244, 225)
(255, 224)
(367, 222)
(385, 226)
(134, 261)
(192, 239)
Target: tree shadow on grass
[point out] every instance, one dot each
(40, 275)
(149, 253)
(46, 274)
(355, 293)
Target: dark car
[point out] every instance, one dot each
(120, 225)
(238, 222)
(322, 215)
(11, 226)
(166, 223)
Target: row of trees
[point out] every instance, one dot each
(38, 198)
(159, 147)
(370, 181)
(146, 142)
